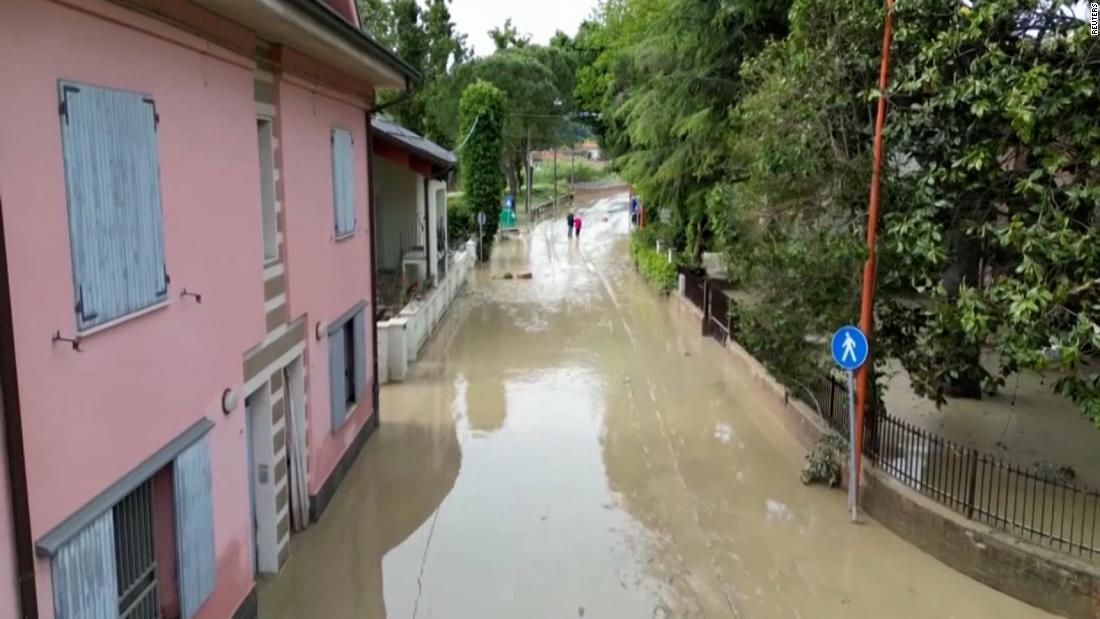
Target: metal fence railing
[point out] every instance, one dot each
(694, 287)
(718, 323)
(1028, 503)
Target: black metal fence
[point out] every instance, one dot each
(719, 322)
(1028, 503)
(694, 287)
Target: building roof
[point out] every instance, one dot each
(354, 34)
(315, 29)
(395, 134)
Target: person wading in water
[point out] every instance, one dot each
(569, 223)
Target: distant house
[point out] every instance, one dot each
(590, 149)
(187, 343)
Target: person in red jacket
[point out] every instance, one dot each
(577, 226)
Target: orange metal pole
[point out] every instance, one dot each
(866, 319)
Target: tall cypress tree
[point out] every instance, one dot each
(482, 179)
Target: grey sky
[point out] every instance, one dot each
(539, 18)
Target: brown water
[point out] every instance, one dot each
(1023, 423)
(566, 447)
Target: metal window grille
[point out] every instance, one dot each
(135, 557)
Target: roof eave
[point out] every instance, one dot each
(316, 30)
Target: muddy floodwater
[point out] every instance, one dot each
(567, 446)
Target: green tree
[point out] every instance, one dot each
(445, 45)
(800, 141)
(376, 18)
(482, 118)
(996, 175)
(507, 36)
(428, 41)
(536, 81)
(412, 46)
(675, 115)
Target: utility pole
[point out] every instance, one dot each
(866, 318)
(527, 175)
(555, 178)
(573, 168)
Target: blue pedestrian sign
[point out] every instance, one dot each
(508, 201)
(849, 348)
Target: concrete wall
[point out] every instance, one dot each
(9, 592)
(1049, 580)
(397, 208)
(162, 371)
(325, 277)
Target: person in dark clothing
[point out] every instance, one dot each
(569, 222)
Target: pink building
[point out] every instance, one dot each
(187, 346)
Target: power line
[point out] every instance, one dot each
(468, 134)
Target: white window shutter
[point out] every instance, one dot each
(194, 526)
(85, 584)
(343, 182)
(113, 186)
(337, 388)
(359, 328)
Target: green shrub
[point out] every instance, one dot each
(460, 219)
(823, 462)
(655, 267)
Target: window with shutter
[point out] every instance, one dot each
(343, 182)
(113, 186)
(347, 364)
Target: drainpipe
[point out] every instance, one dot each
(13, 435)
(373, 265)
(401, 98)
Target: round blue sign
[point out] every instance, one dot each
(849, 347)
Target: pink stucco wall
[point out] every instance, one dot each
(8, 590)
(90, 417)
(325, 277)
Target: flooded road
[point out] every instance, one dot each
(566, 448)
